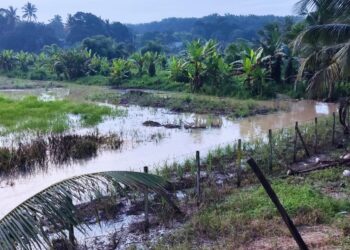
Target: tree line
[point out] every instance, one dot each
(24, 33)
(288, 56)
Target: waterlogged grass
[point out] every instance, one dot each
(32, 114)
(182, 102)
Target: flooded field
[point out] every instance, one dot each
(153, 145)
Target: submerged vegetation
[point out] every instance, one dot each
(25, 158)
(32, 114)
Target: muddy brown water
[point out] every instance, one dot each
(153, 146)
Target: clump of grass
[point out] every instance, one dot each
(24, 158)
(32, 114)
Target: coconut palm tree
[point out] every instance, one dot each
(12, 15)
(25, 227)
(325, 46)
(29, 11)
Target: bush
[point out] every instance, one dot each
(38, 74)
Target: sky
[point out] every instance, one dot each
(141, 11)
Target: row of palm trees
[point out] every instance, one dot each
(29, 13)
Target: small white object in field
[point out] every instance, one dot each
(317, 160)
(346, 173)
(346, 157)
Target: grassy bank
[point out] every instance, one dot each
(180, 102)
(247, 219)
(32, 114)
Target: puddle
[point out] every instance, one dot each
(44, 94)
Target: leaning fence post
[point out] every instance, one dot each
(270, 154)
(198, 186)
(239, 167)
(293, 230)
(145, 170)
(316, 135)
(333, 131)
(295, 143)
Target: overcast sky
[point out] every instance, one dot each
(140, 11)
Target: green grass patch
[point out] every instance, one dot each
(161, 81)
(295, 198)
(93, 80)
(32, 114)
(305, 205)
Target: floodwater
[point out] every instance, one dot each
(153, 146)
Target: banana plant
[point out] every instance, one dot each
(24, 59)
(178, 71)
(139, 60)
(254, 73)
(151, 59)
(7, 60)
(120, 70)
(26, 226)
(197, 54)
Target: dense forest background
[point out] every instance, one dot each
(25, 34)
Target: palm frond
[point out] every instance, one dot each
(26, 226)
(327, 34)
(323, 81)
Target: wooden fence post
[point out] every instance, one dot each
(316, 135)
(198, 185)
(239, 167)
(348, 115)
(333, 130)
(295, 143)
(302, 141)
(270, 153)
(145, 170)
(71, 235)
(293, 230)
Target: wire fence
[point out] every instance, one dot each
(275, 149)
